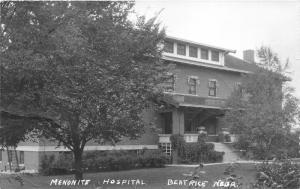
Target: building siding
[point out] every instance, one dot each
(225, 80)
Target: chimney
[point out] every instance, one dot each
(248, 55)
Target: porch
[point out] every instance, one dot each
(187, 114)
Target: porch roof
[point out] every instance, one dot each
(200, 106)
(185, 100)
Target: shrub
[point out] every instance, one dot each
(50, 165)
(283, 174)
(200, 152)
(123, 160)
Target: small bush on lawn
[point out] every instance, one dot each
(280, 174)
(195, 152)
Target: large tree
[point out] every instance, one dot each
(263, 109)
(78, 71)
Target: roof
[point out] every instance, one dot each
(232, 64)
(239, 64)
(200, 44)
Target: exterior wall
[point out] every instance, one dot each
(31, 160)
(225, 80)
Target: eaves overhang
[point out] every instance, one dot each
(200, 64)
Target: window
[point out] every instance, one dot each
(215, 56)
(169, 85)
(166, 147)
(21, 157)
(180, 49)
(0, 155)
(193, 52)
(212, 88)
(238, 88)
(169, 47)
(192, 85)
(204, 54)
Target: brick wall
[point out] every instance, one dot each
(225, 79)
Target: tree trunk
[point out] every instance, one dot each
(78, 164)
(8, 158)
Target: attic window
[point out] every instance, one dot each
(204, 54)
(181, 49)
(193, 52)
(169, 47)
(215, 56)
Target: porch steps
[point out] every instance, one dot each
(230, 155)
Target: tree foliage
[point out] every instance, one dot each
(263, 110)
(78, 71)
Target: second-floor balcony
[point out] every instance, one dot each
(196, 101)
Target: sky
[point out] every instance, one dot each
(233, 24)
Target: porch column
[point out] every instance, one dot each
(178, 122)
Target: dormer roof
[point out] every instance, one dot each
(200, 44)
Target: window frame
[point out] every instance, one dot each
(192, 88)
(212, 90)
(218, 56)
(166, 49)
(170, 86)
(207, 53)
(21, 157)
(238, 87)
(178, 50)
(193, 47)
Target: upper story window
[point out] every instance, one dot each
(238, 87)
(215, 56)
(204, 54)
(169, 47)
(192, 85)
(181, 49)
(193, 51)
(169, 85)
(212, 88)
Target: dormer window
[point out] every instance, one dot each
(169, 47)
(215, 56)
(204, 54)
(193, 51)
(181, 49)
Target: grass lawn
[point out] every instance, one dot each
(154, 178)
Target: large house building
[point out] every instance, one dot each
(202, 79)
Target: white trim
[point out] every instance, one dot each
(87, 148)
(200, 106)
(184, 60)
(183, 94)
(200, 60)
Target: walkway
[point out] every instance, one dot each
(230, 155)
